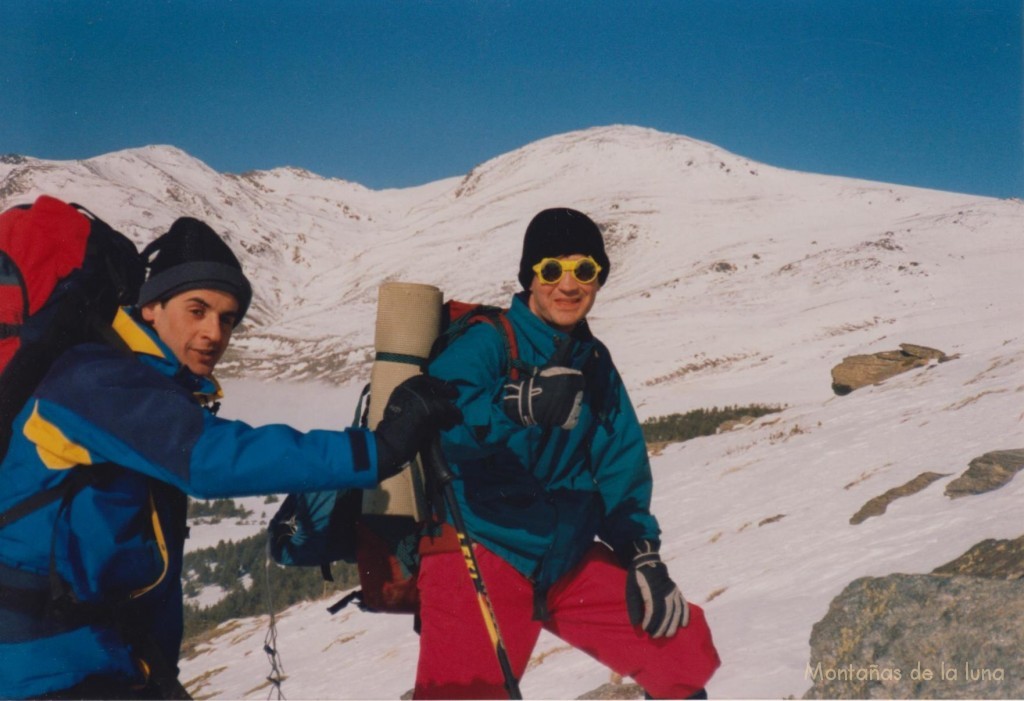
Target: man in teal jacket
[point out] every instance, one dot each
(90, 579)
(544, 464)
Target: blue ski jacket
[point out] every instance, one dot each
(539, 496)
(90, 584)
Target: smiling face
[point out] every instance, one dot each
(196, 325)
(565, 303)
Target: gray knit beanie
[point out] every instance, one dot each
(192, 256)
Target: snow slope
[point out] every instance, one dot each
(732, 282)
(757, 530)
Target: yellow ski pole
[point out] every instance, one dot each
(444, 477)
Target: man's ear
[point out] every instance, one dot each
(148, 312)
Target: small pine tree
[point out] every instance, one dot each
(216, 509)
(699, 422)
(230, 564)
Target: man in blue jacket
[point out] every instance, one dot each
(544, 465)
(118, 434)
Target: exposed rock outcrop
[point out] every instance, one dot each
(615, 691)
(956, 633)
(988, 472)
(858, 371)
(878, 505)
(995, 559)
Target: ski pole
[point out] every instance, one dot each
(444, 476)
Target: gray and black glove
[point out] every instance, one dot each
(417, 408)
(552, 397)
(653, 600)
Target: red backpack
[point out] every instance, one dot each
(63, 274)
(457, 317)
(384, 547)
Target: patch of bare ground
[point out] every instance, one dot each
(189, 647)
(878, 505)
(697, 366)
(715, 594)
(538, 660)
(195, 686)
(615, 689)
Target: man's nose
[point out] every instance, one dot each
(212, 328)
(568, 283)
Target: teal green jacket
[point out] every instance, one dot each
(536, 496)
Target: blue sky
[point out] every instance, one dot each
(392, 94)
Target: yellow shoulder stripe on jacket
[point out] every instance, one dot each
(137, 339)
(55, 449)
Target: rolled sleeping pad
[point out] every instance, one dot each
(408, 322)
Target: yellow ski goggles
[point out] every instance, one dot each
(551, 270)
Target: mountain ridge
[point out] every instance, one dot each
(683, 220)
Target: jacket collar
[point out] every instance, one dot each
(547, 339)
(144, 342)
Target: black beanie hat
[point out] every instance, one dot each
(191, 256)
(561, 232)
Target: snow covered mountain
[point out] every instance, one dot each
(732, 282)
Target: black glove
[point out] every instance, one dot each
(653, 600)
(417, 408)
(552, 398)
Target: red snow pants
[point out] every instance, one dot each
(587, 609)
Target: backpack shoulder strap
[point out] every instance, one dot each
(498, 318)
(32, 503)
(79, 477)
(515, 364)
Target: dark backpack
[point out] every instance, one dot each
(323, 527)
(63, 274)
